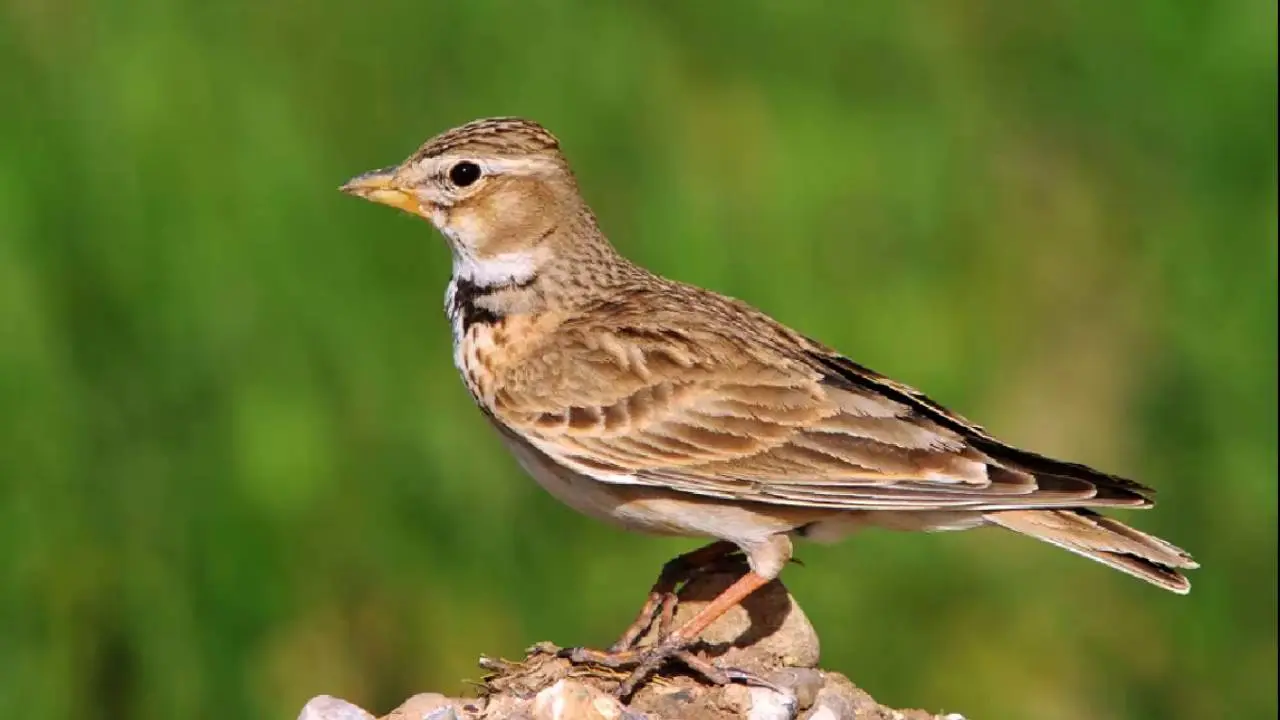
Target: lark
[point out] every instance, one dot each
(673, 410)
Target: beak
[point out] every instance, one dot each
(380, 186)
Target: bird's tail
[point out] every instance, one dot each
(1108, 541)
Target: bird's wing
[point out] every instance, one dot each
(768, 416)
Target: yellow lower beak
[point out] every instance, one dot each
(380, 186)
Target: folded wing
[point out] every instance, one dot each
(786, 422)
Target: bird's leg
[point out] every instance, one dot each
(676, 643)
(764, 561)
(661, 602)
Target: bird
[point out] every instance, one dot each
(670, 409)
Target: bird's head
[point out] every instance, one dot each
(498, 189)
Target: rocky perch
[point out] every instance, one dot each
(769, 636)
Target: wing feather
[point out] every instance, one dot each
(782, 421)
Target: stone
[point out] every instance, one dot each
(840, 699)
(570, 699)
(426, 706)
(767, 631)
(769, 704)
(804, 683)
(769, 637)
(758, 703)
(327, 707)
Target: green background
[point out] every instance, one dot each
(237, 469)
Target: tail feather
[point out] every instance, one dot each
(1105, 540)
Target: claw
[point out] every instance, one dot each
(746, 678)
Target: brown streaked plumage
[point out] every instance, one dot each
(670, 409)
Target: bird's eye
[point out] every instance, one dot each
(464, 173)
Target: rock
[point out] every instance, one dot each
(806, 694)
(502, 707)
(426, 706)
(804, 683)
(769, 704)
(664, 702)
(573, 700)
(840, 699)
(767, 631)
(835, 701)
(769, 637)
(327, 707)
(759, 703)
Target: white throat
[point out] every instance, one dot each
(472, 274)
(502, 269)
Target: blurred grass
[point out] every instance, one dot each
(237, 469)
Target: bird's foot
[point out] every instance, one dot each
(644, 662)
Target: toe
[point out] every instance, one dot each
(609, 659)
(746, 678)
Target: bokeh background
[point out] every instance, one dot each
(237, 469)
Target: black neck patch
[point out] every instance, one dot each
(466, 307)
(467, 296)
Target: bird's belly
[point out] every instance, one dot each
(590, 497)
(658, 511)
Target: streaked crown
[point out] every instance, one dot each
(491, 136)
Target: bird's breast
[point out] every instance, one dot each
(487, 352)
(479, 336)
(478, 352)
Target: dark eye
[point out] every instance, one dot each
(464, 173)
